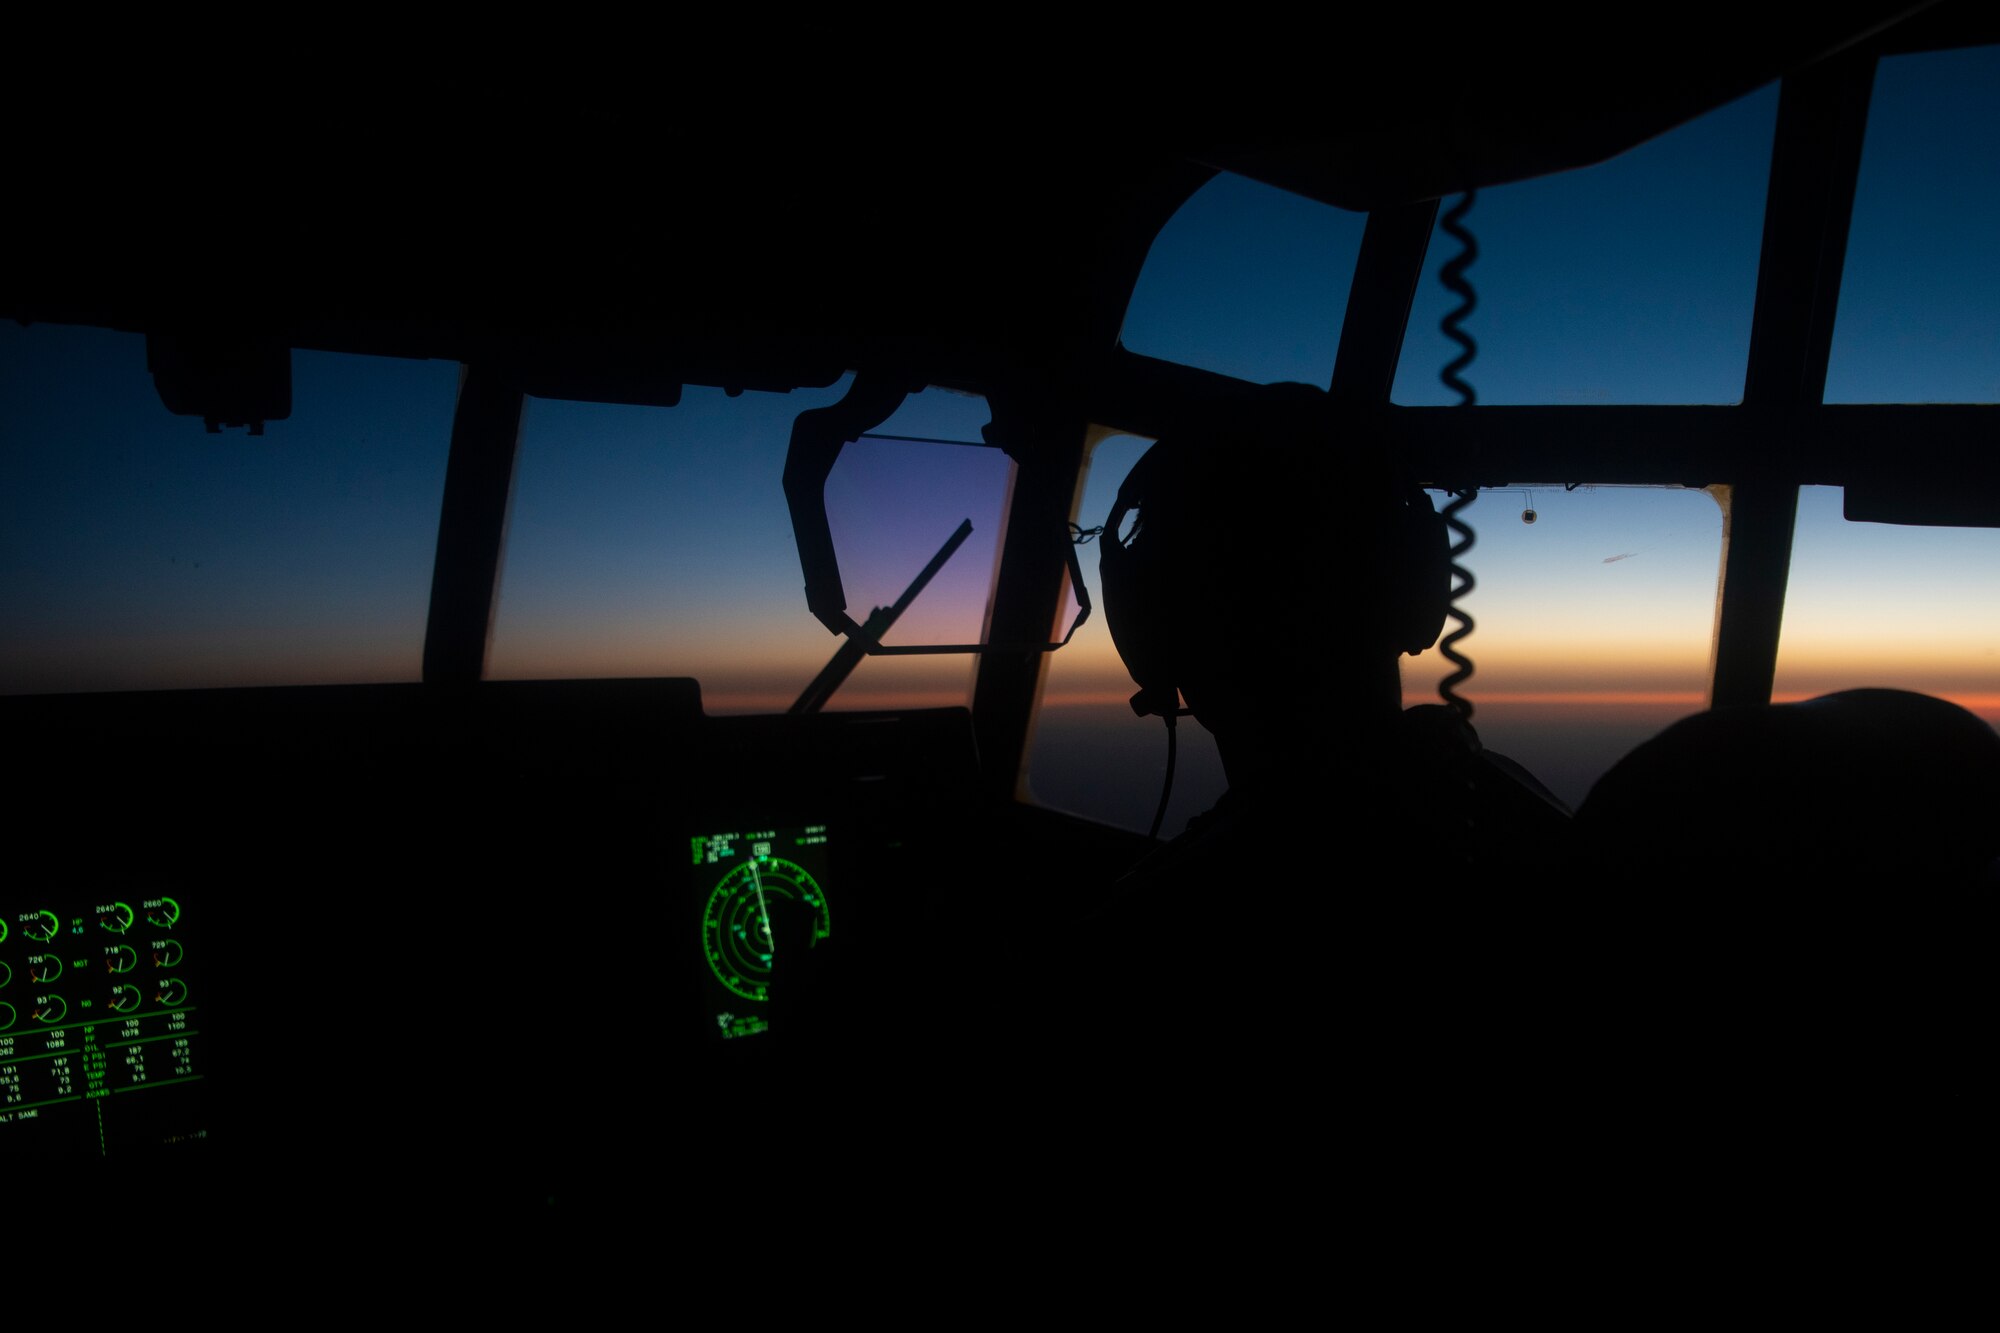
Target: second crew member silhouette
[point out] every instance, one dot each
(1272, 576)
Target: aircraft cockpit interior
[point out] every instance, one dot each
(557, 651)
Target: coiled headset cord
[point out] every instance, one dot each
(1452, 276)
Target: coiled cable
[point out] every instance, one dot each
(1463, 583)
(1452, 277)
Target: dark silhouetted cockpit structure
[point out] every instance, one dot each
(448, 935)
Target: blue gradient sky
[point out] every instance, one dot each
(138, 551)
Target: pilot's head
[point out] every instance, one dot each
(1270, 570)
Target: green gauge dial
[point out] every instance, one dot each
(162, 912)
(51, 1008)
(6, 974)
(736, 926)
(7, 1015)
(115, 917)
(124, 999)
(3, 930)
(40, 927)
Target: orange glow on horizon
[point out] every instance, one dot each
(846, 700)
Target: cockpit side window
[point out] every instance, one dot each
(141, 552)
(1880, 605)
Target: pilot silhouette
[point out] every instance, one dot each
(1273, 578)
(1272, 575)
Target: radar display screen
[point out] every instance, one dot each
(100, 1008)
(763, 895)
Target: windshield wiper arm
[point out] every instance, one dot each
(869, 633)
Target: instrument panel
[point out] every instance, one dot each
(101, 1045)
(764, 899)
(472, 945)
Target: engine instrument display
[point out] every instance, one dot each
(100, 1040)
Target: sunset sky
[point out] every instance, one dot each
(139, 552)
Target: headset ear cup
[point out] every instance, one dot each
(1136, 605)
(1141, 630)
(1425, 582)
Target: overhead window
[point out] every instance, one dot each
(1247, 280)
(141, 552)
(1919, 317)
(1632, 281)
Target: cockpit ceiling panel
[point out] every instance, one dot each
(851, 209)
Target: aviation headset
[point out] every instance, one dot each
(1406, 569)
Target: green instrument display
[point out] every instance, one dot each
(100, 1044)
(761, 891)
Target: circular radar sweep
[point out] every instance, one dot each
(736, 926)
